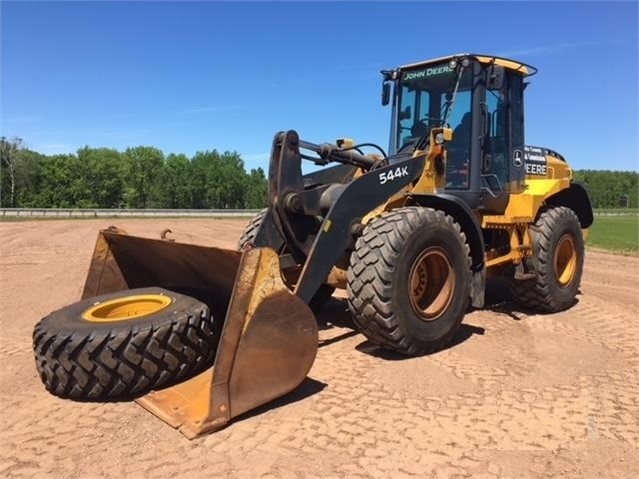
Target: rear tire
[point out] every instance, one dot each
(409, 280)
(558, 250)
(108, 347)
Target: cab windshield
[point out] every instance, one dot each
(431, 96)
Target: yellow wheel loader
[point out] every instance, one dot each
(199, 335)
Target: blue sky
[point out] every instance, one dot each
(228, 75)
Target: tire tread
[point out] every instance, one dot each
(114, 364)
(370, 286)
(535, 293)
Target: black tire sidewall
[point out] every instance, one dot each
(92, 360)
(441, 235)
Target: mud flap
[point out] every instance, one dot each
(269, 338)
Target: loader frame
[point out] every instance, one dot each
(259, 297)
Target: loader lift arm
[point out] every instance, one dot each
(305, 228)
(317, 244)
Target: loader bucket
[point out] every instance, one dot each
(268, 341)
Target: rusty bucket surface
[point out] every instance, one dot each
(269, 337)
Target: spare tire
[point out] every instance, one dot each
(123, 344)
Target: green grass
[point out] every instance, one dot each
(615, 233)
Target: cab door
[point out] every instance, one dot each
(502, 150)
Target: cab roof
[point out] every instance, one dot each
(514, 65)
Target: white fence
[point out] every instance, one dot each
(119, 213)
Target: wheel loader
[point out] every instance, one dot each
(199, 335)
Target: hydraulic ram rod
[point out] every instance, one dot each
(330, 152)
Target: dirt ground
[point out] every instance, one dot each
(516, 395)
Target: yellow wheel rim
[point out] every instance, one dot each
(127, 307)
(565, 260)
(431, 283)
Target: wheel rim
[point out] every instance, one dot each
(129, 307)
(565, 260)
(432, 283)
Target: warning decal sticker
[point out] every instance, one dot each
(535, 162)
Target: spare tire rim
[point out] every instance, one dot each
(431, 283)
(565, 260)
(126, 308)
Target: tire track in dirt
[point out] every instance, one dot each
(538, 396)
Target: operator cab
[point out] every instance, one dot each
(481, 99)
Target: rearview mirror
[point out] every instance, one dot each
(495, 77)
(385, 93)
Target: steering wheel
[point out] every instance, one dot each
(420, 128)
(408, 145)
(423, 125)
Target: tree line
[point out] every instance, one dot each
(139, 177)
(609, 189)
(143, 177)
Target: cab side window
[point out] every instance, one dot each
(458, 150)
(495, 156)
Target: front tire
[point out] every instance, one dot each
(558, 249)
(409, 280)
(123, 344)
(250, 230)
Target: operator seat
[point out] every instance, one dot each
(461, 133)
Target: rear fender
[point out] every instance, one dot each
(577, 199)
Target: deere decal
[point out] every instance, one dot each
(535, 161)
(426, 72)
